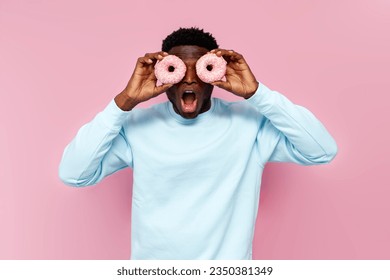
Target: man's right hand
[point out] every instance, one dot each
(142, 85)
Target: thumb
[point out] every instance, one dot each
(162, 88)
(221, 84)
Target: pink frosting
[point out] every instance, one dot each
(164, 76)
(217, 72)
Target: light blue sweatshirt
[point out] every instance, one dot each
(196, 182)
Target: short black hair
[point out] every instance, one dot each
(189, 36)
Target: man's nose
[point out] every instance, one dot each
(190, 76)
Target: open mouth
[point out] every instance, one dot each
(189, 101)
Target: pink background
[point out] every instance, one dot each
(63, 61)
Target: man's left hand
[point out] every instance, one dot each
(239, 77)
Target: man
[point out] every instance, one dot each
(197, 161)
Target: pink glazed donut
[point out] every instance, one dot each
(170, 70)
(211, 68)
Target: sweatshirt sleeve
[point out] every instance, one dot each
(99, 149)
(289, 132)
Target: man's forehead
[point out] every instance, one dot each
(188, 51)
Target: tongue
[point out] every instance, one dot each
(189, 102)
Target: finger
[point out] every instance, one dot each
(219, 51)
(216, 50)
(229, 55)
(144, 60)
(162, 88)
(222, 84)
(161, 55)
(156, 56)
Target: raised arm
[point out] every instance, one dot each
(100, 147)
(287, 132)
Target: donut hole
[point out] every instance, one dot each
(171, 68)
(209, 67)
